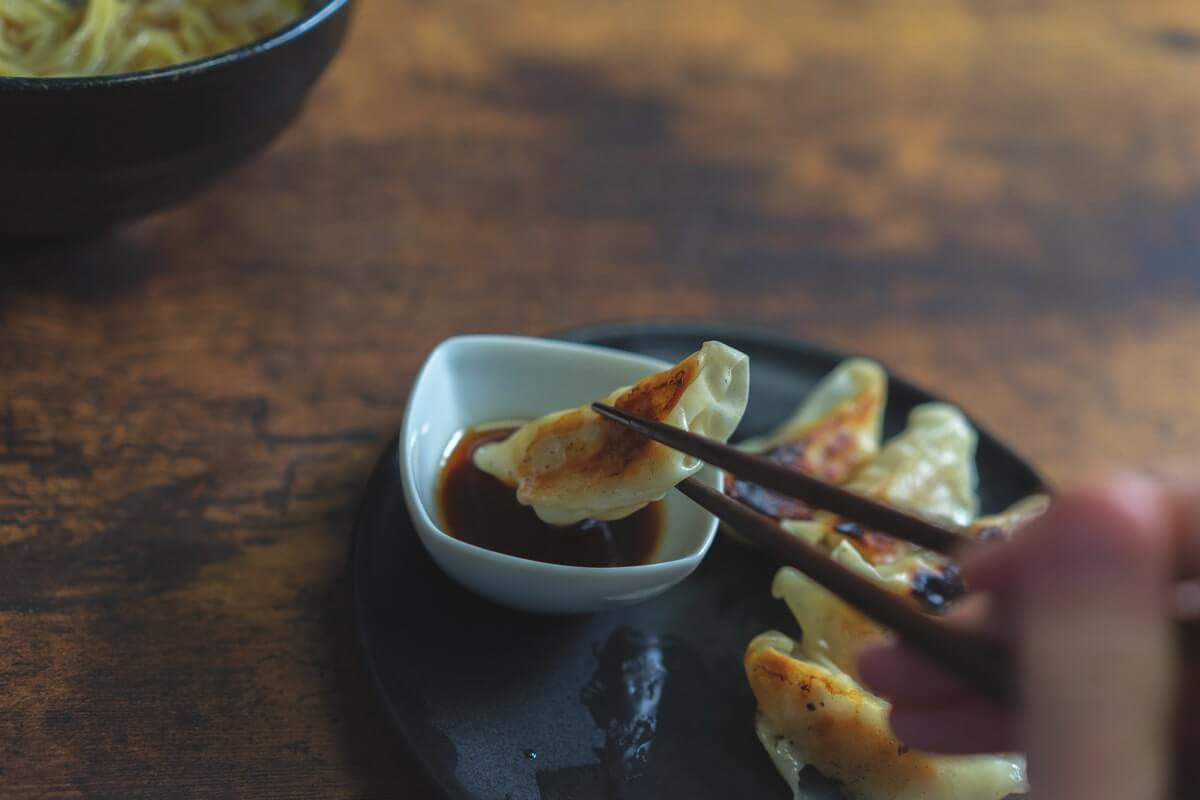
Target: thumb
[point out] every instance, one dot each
(1096, 653)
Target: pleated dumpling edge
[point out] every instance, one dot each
(573, 465)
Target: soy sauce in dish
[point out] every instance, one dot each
(477, 508)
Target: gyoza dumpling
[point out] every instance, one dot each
(572, 465)
(812, 715)
(929, 467)
(834, 431)
(839, 423)
(833, 631)
(813, 711)
(1007, 521)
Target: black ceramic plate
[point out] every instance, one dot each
(646, 702)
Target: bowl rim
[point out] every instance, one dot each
(423, 517)
(321, 13)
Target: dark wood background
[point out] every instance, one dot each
(1002, 201)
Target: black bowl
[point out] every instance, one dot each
(80, 154)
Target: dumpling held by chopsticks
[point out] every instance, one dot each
(574, 465)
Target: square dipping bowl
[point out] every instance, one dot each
(468, 381)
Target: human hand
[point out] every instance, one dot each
(1085, 592)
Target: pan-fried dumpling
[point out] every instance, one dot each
(1007, 521)
(926, 576)
(833, 432)
(842, 416)
(833, 631)
(572, 465)
(929, 467)
(812, 711)
(812, 715)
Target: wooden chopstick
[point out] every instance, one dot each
(814, 491)
(982, 662)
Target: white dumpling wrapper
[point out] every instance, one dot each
(1014, 517)
(833, 631)
(813, 711)
(574, 465)
(812, 714)
(928, 468)
(838, 426)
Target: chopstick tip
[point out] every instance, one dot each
(606, 410)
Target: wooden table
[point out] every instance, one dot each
(1004, 205)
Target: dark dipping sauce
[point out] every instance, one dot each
(479, 509)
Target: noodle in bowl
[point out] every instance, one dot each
(110, 119)
(70, 38)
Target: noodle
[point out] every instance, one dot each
(58, 38)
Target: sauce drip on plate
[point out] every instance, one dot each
(479, 509)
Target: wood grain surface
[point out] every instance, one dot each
(1000, 200)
